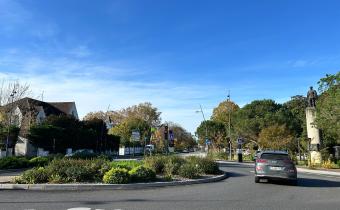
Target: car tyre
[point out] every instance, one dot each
(257, 179)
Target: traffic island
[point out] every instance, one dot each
(134, 186)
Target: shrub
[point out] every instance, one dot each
(172, 166)
(13, 162)
(127, 164)
(206, 165)
(39, 161)
(56, 179)
(218, 155)
(72, 170)
(142, 174)
(33, 176)
(190, 171)
(117, 176)
(156, 163)
(83, 155)
(329, 164)
(100, 167)
(80, 173)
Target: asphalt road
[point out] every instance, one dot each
(237, 192)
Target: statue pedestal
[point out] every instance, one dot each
(313, 134)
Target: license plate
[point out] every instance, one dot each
(276, 168)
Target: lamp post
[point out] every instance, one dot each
(206, 129)
(10, 120)
(229, 124)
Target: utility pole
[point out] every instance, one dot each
(229, 124)
(205, 124)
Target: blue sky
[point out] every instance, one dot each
(174, 54)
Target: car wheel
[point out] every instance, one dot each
(257, 179)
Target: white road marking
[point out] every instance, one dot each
(252, 171)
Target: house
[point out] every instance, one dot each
(27, 111)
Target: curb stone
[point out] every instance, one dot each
(65, 187)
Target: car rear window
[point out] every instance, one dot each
(271, 156)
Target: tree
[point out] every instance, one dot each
(56, 133)
(253, 117)
(7, 88)
(183, 139)
(12, 132)
(328, 109)
(125, 128)
(297, 107)
(276, 137)
(144, 111)
(10, 92)
(221, 112)
(214, 131)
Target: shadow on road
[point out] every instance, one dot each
(307, 182)
(233, 174)
(234, 165)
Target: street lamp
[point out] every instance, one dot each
(10, 120)
(206, 129)
(229, 130)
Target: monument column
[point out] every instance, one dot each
(313, 132)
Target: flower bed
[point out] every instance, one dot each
(101, 170)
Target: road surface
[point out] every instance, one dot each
(237, 192)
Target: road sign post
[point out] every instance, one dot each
(239, 149)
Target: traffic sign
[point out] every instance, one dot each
(240, 141)
(135, 136)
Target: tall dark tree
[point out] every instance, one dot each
(328, 109)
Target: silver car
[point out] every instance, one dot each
(275, 165)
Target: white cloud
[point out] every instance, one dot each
(93, 86)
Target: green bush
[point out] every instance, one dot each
(79, 173)
(206, 165)
(156, 163)
(218, 155)
(117, 176)
(13, 162)
(33, 176)
(190, 171)
(142, 174)
(172, 166)
(126, 164)
(72, 170)
(39, 161)
(85, 155)
(100, 167)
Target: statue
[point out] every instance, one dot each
(311, 97)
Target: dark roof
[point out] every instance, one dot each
(63, 106)
(26, 104)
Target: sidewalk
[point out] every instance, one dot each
(319, 172)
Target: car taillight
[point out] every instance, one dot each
(259, 168)
(261, 161)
